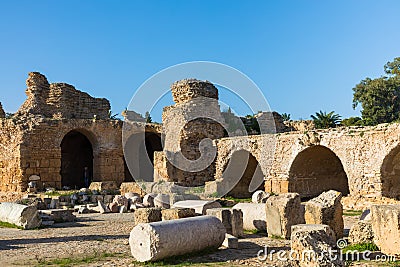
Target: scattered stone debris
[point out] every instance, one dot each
(232, 219)
(200, 206)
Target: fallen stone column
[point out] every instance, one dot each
(26, 217)
(160, 240)
(200, 206)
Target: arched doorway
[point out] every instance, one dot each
(139, 156)
(76, 160)
(315, 170)
(243, 173)
(390, 174)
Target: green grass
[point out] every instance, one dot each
(254, 232)
(352, 212)
(239, 200)
(361, 247)
(10, 225)
(77, 261)
(179, 261)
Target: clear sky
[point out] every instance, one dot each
(305, 56)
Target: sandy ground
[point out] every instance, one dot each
(92, 235)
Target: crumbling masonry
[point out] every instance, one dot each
(59, 130)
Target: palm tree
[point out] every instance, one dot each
(285, 116)
(322, 120)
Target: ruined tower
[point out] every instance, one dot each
(189, 126)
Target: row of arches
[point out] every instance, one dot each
(77, 155)
(313, 171)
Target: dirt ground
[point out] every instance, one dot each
(102, 240)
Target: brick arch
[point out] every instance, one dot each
(317, 169)
(242, 174)
(390, 173)
(77, 157)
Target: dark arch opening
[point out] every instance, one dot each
(390, 174)
(139, 156)
(243, 173)
(76, 155)
(315, 170)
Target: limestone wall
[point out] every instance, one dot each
(368, 156)
(60, 100)
(10, 140)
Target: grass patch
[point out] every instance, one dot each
(183, 260)
(254, 232)
(276, 237)
(77, 261)
(352, 212)
(361, 247)
(10, 225)
(239, 200)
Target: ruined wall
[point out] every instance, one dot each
(2, 113)
(10, 140)
(41, 149)
(367, 155)
(60, 100)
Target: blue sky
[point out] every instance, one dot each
(305, 56)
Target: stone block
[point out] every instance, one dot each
(386, 228)
(311, 245)
(200, 206)
(361, 232)
(254, 216)
(309, 227)
(232, 219)
(260, 197)
(162, 201)
(282, 212)
(177, 213)
(60, 215)
(326, 209)
(147, 215)
(231, 241)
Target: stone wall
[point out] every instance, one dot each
(188, 89)
(60, 100)
(2, 113)
(10, 141)
(369, 157)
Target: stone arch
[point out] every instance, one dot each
(76, 159)
(139, 156)
(317, 169)
(243, 174)
(390, 174)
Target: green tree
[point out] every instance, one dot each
(352, 121)
(380, 97)
(285, 116)
(323, 120)
(148, 117)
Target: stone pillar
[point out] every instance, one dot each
(23, 216)
(160, 240)
(195, 117)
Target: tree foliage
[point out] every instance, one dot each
(323, 120)
(285, 116)
(380, 97)
(147, 117)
